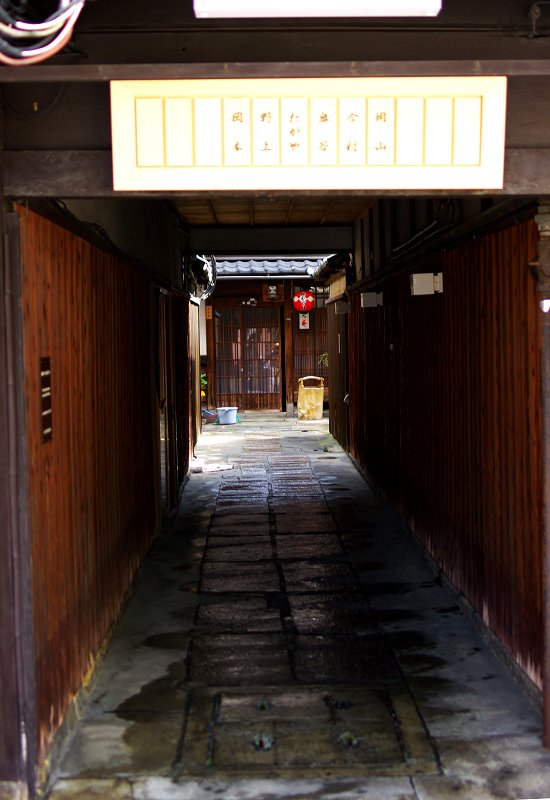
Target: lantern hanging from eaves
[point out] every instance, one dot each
(303, 301)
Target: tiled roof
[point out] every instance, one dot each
(267, 267)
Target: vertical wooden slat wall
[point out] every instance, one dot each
(11, 761)
(338, 371)
(309, 345)
(445, 419)
(94, 505)
(194, 373)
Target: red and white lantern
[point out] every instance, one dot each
(303, 301)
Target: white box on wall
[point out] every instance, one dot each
(372, 299)
(426, 283)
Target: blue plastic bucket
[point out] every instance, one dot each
(227, 415)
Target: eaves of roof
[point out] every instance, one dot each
(272, 268)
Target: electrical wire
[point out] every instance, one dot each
(18, 32)
(54, 21)
(28, 113)
(23, 42)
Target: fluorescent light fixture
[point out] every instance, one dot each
(216, 9)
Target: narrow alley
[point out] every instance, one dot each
(289, 639)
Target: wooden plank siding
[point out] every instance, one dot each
(11, 757)
(445, 417)
(93, 488)
(337, 325)
(193, 375)
(310, 345)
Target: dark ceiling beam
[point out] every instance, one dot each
(213, 212)
(327, 212)
(288, 212)
(88, 173)
(363, 213)
(97, 73)
(271, 240)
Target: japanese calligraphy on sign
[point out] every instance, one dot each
(237, 132)
(356, 133)
(265, 124)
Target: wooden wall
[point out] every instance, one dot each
(94, 496)
(338, 369)
(193, 376)
(308, 346)
(10, 744)
(445, 418)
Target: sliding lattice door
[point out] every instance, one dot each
(248, 357)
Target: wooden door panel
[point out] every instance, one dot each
(228, 343)
(261, 358)
(248, 357)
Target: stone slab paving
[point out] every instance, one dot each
(286, 718)
(289, 640)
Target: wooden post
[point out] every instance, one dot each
(543, 265)
(211, 357)
(18, 749)
(289, 347)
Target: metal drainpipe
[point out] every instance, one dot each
(543, 266)
(545, 388)
(23, 609)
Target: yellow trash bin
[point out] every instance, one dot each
(310, 398)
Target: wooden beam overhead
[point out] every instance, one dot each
(363, 213)
(272, 240)
(88, 173)
(289, 212)
(213, 212)
(327, 212)
(99, 73)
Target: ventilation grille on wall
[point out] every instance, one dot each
(46, 398)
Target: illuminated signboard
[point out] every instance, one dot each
(307, 134)
(315, 8)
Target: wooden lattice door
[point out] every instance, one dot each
(248, 357)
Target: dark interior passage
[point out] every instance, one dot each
(443, 413)
(290, 628)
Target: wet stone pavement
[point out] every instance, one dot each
(288, 639)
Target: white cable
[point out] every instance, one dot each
(63, 39)
(38, 31)
(63, 25)
(21, 30)
(51, 46)
(29, 33)
(34, 30)
(46, 26)
(13, 33)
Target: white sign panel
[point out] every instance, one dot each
(316, 8)
(301, 134)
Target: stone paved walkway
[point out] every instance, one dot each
(289, 640)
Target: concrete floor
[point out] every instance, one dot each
(289, 640)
